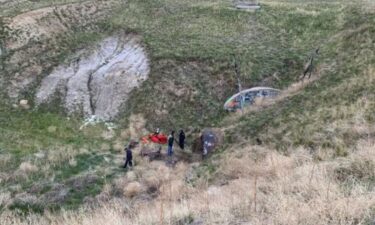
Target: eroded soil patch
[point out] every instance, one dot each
(98, 82)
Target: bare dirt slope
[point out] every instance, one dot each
(98, 82)
(44, 23)
(32, 36)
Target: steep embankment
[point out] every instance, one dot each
(36, 40)
(98, 82)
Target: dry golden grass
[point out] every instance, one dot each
(269, 188)
(131, 176)
(105, 147)
(368, 5)
(5, 198)
(59, 154)
(136, 127)
(5, 160)
(152, 180)
(118, 146)
(27, 168)
(133, 189)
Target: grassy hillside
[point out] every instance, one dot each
(316, 138)
(202, 39)
(334, 111)
(273, 42)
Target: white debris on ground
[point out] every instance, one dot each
(94, 120)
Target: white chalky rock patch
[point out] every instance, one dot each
(98, 83)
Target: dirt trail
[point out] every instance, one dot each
(99, 81)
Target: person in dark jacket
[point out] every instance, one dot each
(182, 139)
(129, 157)
(170, 143)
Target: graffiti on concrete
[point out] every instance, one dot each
(249, 96)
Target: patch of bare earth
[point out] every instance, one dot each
(33, 34)
(44, 23)
(98, 81)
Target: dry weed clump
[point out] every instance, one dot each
(152, 181)
(119, 184)
(172, 190)
(3, 177)
(5, 159)
(105, 147)
(180, 170)
(5, 198)
(133, 189)
(73, 162)
(52, 129)
(118, 146)
(358, 170)
(27, 168)
(131, 176)
(136, 127)
(61, 154)
(25, 199)
(359, 167)
(105, 195)
(163, 172)
(108, 134)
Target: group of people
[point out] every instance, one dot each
(171, 140)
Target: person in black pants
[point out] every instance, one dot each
(182, 139)
(129, 157)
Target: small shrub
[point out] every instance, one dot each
(133, 189)
(131, 176)
(27, 167)
(152, 182)
(363, 171)
(188, 219)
